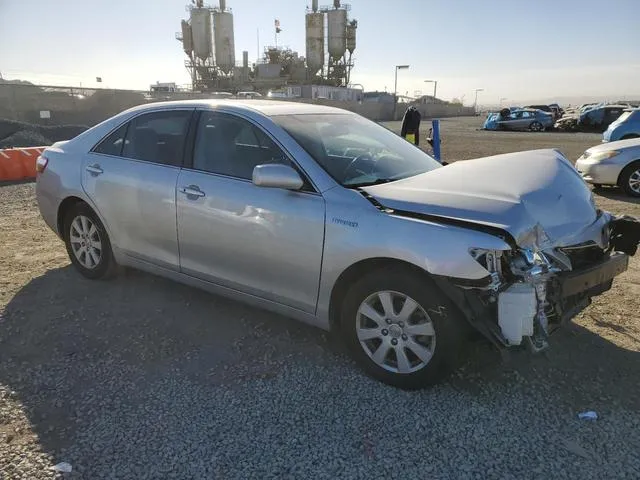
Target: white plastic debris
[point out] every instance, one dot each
(591, 415)
(63, 467)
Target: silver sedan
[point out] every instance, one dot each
(324, 216)
(613, 163)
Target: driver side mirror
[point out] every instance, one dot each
(274, 175)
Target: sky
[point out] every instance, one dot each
(512, 49)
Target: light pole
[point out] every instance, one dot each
(435, 86)
(395, 87)
(475, 101)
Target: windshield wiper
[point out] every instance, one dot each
(377, 181)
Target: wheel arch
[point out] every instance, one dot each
(624, 169)
(63, 208)
(357, 270)
(67, 204)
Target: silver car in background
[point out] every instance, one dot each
(324, 216)
(613, 163)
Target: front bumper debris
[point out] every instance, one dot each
(625, 234)
(600, 274)
(541, 289)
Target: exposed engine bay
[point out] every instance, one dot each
(534, 291)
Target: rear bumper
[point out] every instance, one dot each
(47, 204)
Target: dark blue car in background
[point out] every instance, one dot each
(625, 127)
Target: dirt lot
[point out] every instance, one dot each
(143, 378)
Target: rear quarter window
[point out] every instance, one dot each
(112, 144)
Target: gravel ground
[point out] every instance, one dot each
(143, 378)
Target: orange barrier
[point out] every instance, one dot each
(19, 163)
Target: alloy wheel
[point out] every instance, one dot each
(85, 242)
(634, 181)
(395, 332)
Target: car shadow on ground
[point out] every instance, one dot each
(68, 346)
(615, 193)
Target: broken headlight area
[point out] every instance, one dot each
(530, 293)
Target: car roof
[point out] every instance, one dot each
(266, 107)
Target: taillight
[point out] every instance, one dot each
(41, 163)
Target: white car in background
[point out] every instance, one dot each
(613, 163)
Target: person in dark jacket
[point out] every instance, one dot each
(411, 124)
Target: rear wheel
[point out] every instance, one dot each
(536, 127)
(399, 330)
(87, 243)
(630, 179)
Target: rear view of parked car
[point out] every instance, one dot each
(324, 216)
(613, 163)
(625, 127)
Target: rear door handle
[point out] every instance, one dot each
(192, 191)
(94, 169)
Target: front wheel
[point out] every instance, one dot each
(400, 330)
(630, 179)
(87, 243)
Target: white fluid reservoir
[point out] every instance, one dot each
(315, 41)
(201, 32)
(517, 306)
(224, 44)
(337, 32)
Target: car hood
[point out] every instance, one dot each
(536, 196)
(630, 143)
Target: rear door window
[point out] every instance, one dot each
(158, 137)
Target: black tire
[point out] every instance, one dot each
(630, 136)
(536, 127)
(631, 170)
(106, 265)
(449, 327)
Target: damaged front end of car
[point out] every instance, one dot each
(537, 286)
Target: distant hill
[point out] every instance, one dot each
(14, 82)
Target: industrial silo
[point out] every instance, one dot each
(351, 36)
(315, 39)
(201, 32)
(337, 32)
(223, 34)
(187, 39)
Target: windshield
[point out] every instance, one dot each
(356, 151)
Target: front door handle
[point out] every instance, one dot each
(94, 169)
(192, 191)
